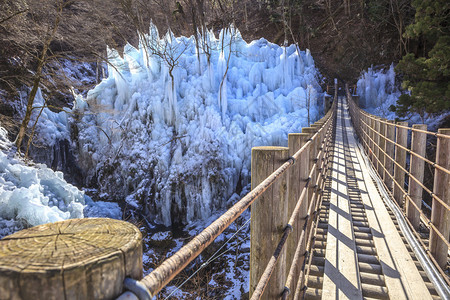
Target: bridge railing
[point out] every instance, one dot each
(278, 265)
(287, 182)
(386, 145)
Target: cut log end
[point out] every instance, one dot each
(73, 259)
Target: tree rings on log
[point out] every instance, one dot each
(73, 259)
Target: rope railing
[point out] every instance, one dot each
(407, 196)
(308, 218)
(432, 163)
(375, 141)
(436, 134)
(164, 273)
(433, 195)
(289, 227)
(426, 219)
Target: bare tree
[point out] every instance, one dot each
(41, 61)
(38, 41)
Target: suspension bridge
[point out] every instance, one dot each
(343, 212)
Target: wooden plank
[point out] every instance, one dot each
(400, 158)
(341, 277)
(440, 216)
(403, 280)
(298, 174)
(416, 168)
(376, 138)
(268, 219)
(382, 144)
(388, 164)
(372, 140)
(312, 154)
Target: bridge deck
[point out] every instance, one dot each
(365, 256)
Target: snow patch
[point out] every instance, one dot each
(31, 195)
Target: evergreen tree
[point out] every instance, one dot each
(426, 75)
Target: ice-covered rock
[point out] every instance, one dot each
(377, 91)
(171, 134)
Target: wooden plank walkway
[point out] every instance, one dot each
(341, 280)
(350, 269)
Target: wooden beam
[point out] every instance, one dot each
(440, 216)
(268, 219)
(389, 148)
(298, 175)
(416, 169)
(382, 144)
(400, 158)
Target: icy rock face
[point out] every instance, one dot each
(377, 91)
(51, 141)
(34, 195)
(172, 134)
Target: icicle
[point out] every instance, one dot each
(221, 66)
(300, 64)
(286, 74)
(391, 79)
(153, 36)
(309, 59)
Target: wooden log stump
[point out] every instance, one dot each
(73, 259)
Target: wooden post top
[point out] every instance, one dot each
(87, 258)
(66, 244)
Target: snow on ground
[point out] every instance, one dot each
(378, 90)
(172, 127)
(34, 194)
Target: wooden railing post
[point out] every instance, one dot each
(400, 158)
(363, 129)
(269, 216)
(389, 148)
(312, 155)
(376, 138)
(297, 179)
(416, 169)
(319, 137)
(382, 144)
(94, 254)
(440, 216)
(372, 139)
(335, 89)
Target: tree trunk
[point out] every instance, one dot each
(26, 120)
(37, 80)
